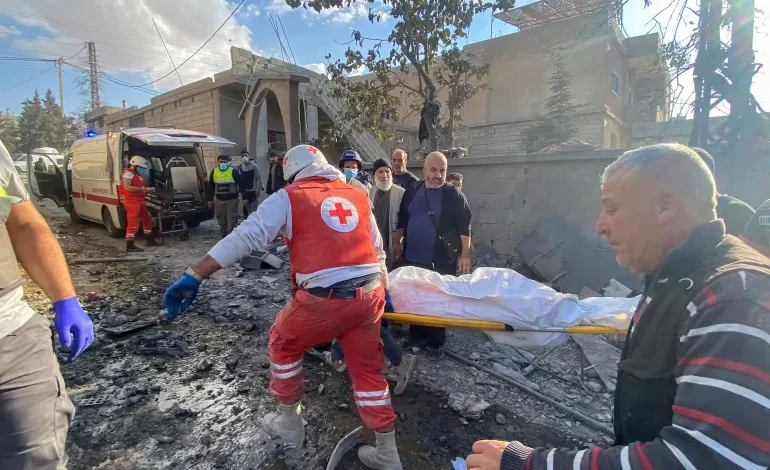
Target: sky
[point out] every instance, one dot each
(130, 50)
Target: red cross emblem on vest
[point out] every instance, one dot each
(339, 214)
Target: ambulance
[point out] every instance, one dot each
(88, 184)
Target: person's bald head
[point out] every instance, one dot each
(398, 161)
(654, 197)
(435, 170)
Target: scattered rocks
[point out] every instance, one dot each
(206, 441)
(96, 270)
(464, 422)
(320, 389)
(232, 362)
(134, 400)
(475, 356)
(343, 406)
(205, 365)
(443, 439)
(500, 419)
(469, 406)
(595, 387)
(514, 375)
(221, 320)
(165, 440)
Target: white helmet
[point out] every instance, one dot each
(138, 161)
(300, 157)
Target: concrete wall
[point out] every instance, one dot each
(510, 196)
(191, 107)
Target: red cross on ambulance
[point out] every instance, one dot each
(339, 214)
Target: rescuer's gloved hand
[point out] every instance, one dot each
(71, 321)
(180, 295)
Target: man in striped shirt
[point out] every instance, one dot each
(694, 378)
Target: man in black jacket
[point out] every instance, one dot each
(433, 232)
(275, 179)
(733, 211)
(693, 385)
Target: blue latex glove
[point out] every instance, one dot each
(71, 321)
(180, 295)
(388, 304)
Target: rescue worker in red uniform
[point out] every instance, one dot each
(339, 274)
(133, 199)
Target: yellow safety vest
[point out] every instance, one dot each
(224, 182)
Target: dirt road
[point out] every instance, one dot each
(190, 394)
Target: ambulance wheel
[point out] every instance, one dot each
(184, 236)
(112, 230)
(74, 215)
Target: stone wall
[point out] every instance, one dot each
(510, 196)
(191, 107)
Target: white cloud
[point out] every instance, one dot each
(126, 41)
(317, 68)
(251, 11)
(9, 31)
(278, 7)
(357, 72)
(346, 15)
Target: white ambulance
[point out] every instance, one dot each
(88, 184)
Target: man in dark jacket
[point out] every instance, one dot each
(693, 385)
(433, 212)
(401, 176)
(275, 179)
(733, 211)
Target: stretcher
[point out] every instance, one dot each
(442, 322)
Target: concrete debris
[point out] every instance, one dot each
(468, 405)
(514, 375)
(475, 357)
(232, 362)
(205, 365)
(615, 288)
(96, 270)
(500, 419)
(595, 387)
(162, 344)
(166, 440)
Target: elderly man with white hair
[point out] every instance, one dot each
(693, 387)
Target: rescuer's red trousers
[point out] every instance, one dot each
(307, 321)
(137, 212)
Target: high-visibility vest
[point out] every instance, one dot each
(10, 277)
(224, 182)
(136, 181)
(330, 223)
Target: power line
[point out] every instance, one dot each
(30, 78)
(167, 52)
(91, 28)
(202, 45)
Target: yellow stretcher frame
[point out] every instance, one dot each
(427, 320)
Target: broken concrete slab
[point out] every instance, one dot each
(570, 259)
(602, 355)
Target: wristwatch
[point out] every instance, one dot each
(194, 274)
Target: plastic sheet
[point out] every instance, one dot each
(499, 294)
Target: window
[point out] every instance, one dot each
(615, 84)
(136, 121)
(613, 140)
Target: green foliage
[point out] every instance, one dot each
(423, 29)
(41, 124)
(9, 131)
(558, 123)
(462, 77)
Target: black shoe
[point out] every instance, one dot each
(151, 241)
(131, 248)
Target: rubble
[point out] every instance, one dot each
(469, 406)
(204, 365)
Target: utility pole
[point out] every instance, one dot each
(60, 62)
(93, 75)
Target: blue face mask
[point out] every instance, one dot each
(350, 173)
(144, 172)
(223, 166)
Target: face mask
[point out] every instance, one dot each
(245, 159)
(350, 172)
(223, 166)
(143, 171)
